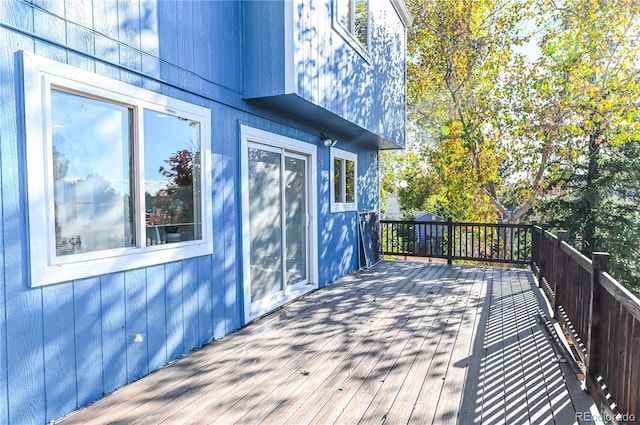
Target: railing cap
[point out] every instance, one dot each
(600, 260)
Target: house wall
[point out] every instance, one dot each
(342, 80)
(319, 65)
(65, 345)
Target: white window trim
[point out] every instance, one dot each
(248, 136)
(349, 156)
(46, 268)
(349, 36)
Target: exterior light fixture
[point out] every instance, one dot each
(327, 141)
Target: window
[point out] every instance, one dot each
(353, 16)
(118, 177)
(344, 188)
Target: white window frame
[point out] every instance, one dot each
(40, 74)
(345, 156)
(349, 33)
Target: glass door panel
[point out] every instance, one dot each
(265, 221)
(295, 202)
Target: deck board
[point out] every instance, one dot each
(338, 391)
(402, 342)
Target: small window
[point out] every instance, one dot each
(344, 185)
(353, 17)
(117, 176)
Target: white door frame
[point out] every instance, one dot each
(251, 135)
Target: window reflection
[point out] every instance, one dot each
(172, 178)
(337, 180)
(344, 181)
(344, 13)
(91, 172)
(353, 15)
(265, 215)
(350, 181)
(361, 21)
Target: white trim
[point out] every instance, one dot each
(403, 12)
(290, 70)
(348, 156)
(40, 74)
(251, 136)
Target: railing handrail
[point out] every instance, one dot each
(460, 223)
(507, 243)
(598, 310)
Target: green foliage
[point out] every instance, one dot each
(590, 63)
(550, 133)
(602, 212)
(463, 71)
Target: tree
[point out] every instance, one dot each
(599, 205)
(181, 167)
(464, 72)
(550, 135)
(590, 57)
(175, 202)
(405, 172)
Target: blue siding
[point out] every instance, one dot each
(338, 232)
(112, 297)
(6, 115)
(60, 357)
(190, 305)
(205, 299)
(173, 280)
(88, 339)
(65, 345)
(156, 317)
(135, 324)
(264, 55)
(328, 70)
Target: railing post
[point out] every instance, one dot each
(558, 266)
(542, 265)
(450, 240)
(599, 263)
(533, 245)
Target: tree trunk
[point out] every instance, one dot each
(591, 196)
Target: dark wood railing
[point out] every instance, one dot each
(500, 243)
(601, 318)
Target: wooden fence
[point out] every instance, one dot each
(501, 243)
(600, 317)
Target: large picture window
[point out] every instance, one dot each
(117, 176)
(344, 180)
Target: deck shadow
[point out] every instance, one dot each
(514, 374)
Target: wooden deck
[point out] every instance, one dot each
(403, 342)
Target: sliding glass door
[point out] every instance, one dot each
(278, 225)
